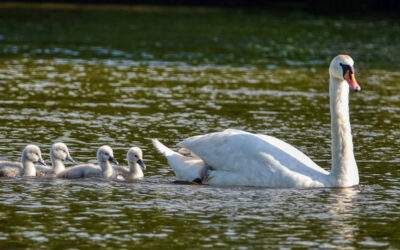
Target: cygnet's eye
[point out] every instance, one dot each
(136, 156)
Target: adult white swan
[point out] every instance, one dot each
(235, 157)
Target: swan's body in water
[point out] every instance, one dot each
(134, 156)
(235, 157)
(30, 155)
(104, 169)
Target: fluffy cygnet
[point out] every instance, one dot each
(105, 157)
(135, 163)
(59, 153)
(30, 155)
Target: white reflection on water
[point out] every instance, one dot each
(343, 209)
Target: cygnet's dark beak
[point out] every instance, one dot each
(112, 159)
(41, 162)
(70, 159)
(141, 164)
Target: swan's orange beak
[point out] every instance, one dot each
(351, 80)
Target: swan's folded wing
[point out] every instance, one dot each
(233, 150)
(286, 178)
(229, 150)
(293, 158)
(271, 173)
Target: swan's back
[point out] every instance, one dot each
(10, 169)
(81, 171)
(237, 151)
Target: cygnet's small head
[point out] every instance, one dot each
(59, 151)
(342, 68)
(135, 155)
(105, 154)
(32, 153)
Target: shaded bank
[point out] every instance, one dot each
(200, 35)
(358, 7)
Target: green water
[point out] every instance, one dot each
(123, 75)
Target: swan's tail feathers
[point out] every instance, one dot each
(164, 150)
(185, 168)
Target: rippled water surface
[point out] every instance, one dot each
(121, 76)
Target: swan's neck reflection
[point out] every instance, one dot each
(343, 211)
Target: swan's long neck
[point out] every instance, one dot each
(29, 167)
(344, 172)
(58, 165)
(135, 171)
(107, 169)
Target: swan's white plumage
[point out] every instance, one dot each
(253, 159)
(235, 157)
(185, 168)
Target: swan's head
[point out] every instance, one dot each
(135, 155)
(106, 154)
(59, 151)
(32, 153)
(342, 68)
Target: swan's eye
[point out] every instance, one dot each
(346, 68)
(136, 156)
